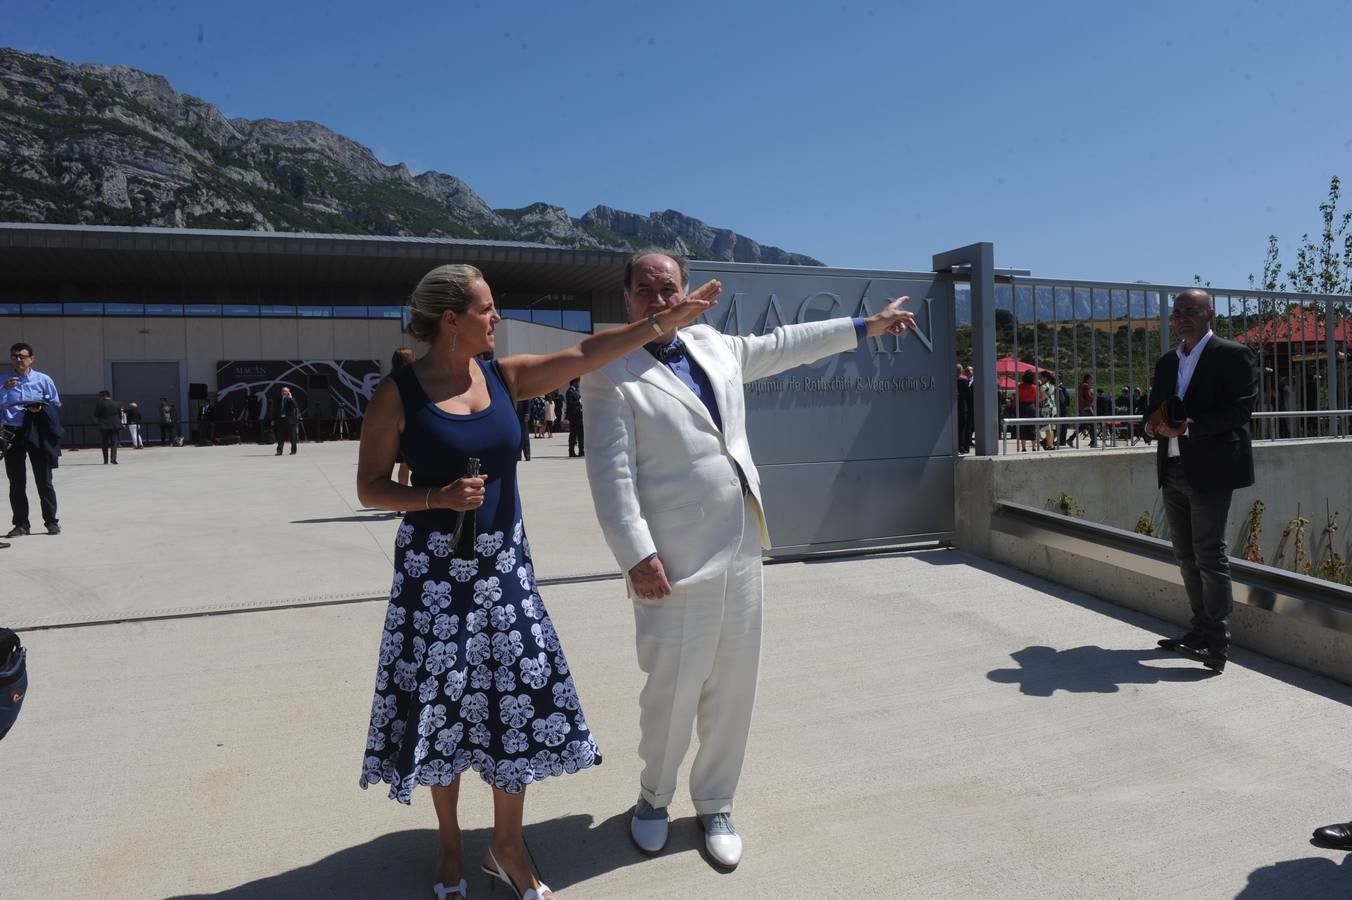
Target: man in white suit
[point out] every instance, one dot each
(678, 498)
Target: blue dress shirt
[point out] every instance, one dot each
(32, 388)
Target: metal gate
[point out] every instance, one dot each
(857, 449)
(145, 383)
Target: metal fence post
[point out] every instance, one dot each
(981, 258)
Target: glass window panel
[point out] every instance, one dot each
(164, 309)
(10, 309)
(315, 312)
(349, 312)
(577, 320)
(552, 317)
(42, 309)
(82, 309)
(239, 310)
(124, 309)
(384, 312)
(202, 309)
(272, 311)
(522, 315)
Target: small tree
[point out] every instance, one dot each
(1319, 268)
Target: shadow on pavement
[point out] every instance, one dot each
(567, 851)
(382, 516)
(1309, 877)
(1084, 670)
(1288, 674)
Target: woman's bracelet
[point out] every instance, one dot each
(427, 501)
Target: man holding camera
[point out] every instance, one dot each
(30, 409)
(1201, 398)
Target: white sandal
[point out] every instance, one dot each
(500, 874)
(442, 891)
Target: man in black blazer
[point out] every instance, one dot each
(1203, 454)
(286, 421)
(108, 416)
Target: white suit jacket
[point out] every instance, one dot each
(662, 475)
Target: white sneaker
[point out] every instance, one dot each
(648, 827)
(721, 839)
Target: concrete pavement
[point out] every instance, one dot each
(929, 725)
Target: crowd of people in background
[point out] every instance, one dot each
(548, 414)
(1043, 394)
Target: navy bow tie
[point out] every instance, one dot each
(667, 353)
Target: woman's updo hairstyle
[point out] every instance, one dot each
(443, 288)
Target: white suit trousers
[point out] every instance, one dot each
(700, 648)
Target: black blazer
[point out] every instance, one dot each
(1217, 452)
(108, 415)
(43, 430)
(287, 411)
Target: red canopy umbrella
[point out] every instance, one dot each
(1008, 365)
(1008, 371)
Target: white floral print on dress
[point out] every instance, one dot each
(488, 544)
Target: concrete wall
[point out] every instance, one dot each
(1115, 487)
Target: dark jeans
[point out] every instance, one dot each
(207, 432)
(1089, 428)
(576, 438)
(525, 438)
(18, 482)
(1197, 530)
(109, 439)
(166, 433)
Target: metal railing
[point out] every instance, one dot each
(1115, 332)
(1266, 587)
(1125, 429)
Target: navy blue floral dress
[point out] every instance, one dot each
(471, 673)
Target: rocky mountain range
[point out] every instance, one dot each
(103, 145)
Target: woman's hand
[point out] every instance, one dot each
(893, 319)
(461, 495)
(695, 304)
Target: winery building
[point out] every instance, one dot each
(234, 315)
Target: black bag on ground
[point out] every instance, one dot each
(13, 678)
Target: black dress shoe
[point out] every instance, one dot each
(53, 528)
(1210, 657)
(1334, 837)
(1192, 639)
(17, 531)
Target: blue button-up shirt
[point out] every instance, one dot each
(32, 388)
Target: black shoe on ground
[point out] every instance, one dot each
(1334, 837)
(1208, 656)
(279, 453)
(53, 528)
(3, 544)
(1192, 639)
(17, 531)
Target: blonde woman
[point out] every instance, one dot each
(472, 675)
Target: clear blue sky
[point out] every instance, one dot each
(1149, 140)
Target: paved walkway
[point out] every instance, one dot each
(929, 725)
